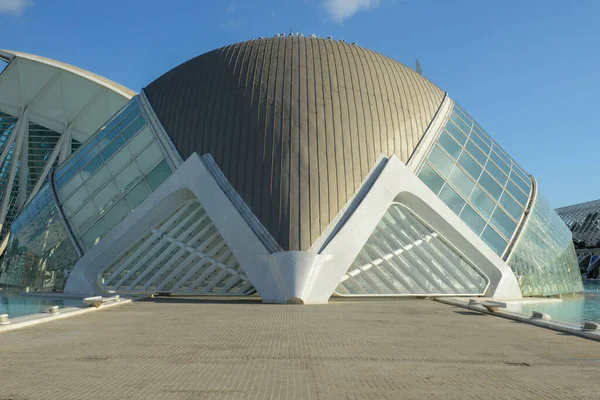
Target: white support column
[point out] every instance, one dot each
(21, 131)
(9, 141)
(65, 149)
(24, 168)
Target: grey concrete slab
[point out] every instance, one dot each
(190, 349)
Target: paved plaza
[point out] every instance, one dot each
(192, 349)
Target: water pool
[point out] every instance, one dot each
(16, 305)
(575, 310)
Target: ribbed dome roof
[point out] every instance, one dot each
(295, 123)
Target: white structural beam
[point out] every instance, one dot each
(22, 131)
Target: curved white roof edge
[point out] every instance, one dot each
(8, 55)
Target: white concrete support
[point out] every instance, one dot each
(24, 168)
(21, 130)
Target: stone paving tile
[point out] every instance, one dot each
(190, 349)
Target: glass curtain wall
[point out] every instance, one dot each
(475, 177)
(544, 259)
(40, 253)
(110, 175)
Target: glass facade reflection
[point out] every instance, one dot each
(110, 175)
(471, 173)
(41, 253)
(543, 258)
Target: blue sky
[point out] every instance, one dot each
(527, 71)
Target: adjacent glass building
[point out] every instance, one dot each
(257, 159)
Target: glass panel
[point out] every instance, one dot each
(500, 163)
(460, 123)
(481, 133)
(92, 167)
(140, 140)
(119, 160)
(511, 206)
(63, 177)
(519, 195)
(431, 179)
(440, 160)
(148, 158)
(520, 183)
(132, 129)
(456, 133)
(93, 235)
(84, 158)
(490, 185)
(85, 217)
(127, 118)
(450, 145)
(98, 180)
(461, 182)
(472, 219)
(137, 195)
(113, 147)
(71, 186)
(452, 199)
(503, 222)
(115, 215)
(470, 165)
(106, 197)
(482, 202)
(482, 145)
(476, 153)
(126, 179)
(492, 239)
(543, 259)
(496, 173)
(76, 200)
(158, 175)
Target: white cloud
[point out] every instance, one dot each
(15, 7)
(339, 10)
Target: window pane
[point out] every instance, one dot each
(493, 240)
(85, 217)
(107, 138)
(158, 175)
(125, 119)
(511, 206)
(482, 145)
(98, 180)
(140, 140)
(520, 183)
(476, 153)
(137, 195)
(92, 167)
(431, 179)
(461, 182)
(127, 178)
(450, 145)
(63, 177)
(84, 158)
(119, 160)
(441, 161)
(106, 197)
(134, 128)
(113, 147)
(486, 181)
(481, 133)
(149, 157)
(503, 222)
(500, 163)
(71, 186)
(452, 199)
(466, 128)
(76, 200)
(456, 133)
(482, 202)
(517, 194)
(93, 235)
(496, 173)
(472, 219)
(115, 215)
(470, 165)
